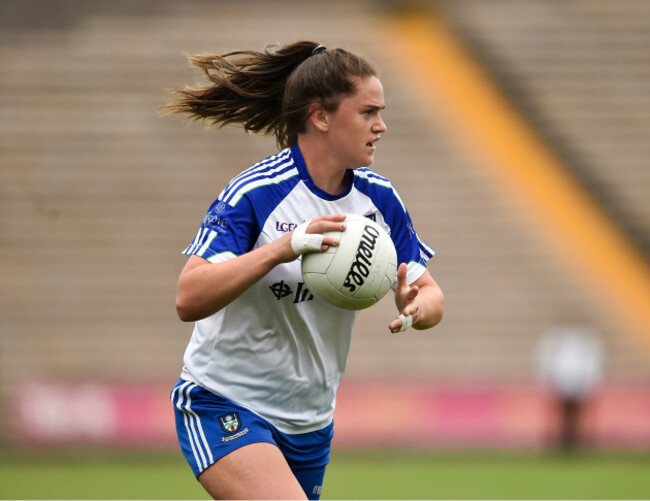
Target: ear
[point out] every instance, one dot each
(319, 117)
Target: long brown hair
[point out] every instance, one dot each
(270, 92)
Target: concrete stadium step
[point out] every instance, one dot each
(99, 194)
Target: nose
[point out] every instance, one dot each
(380, 126)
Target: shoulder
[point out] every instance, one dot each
(377, 187)
(275, 171)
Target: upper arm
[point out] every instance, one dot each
(225, 232)
(193, 262)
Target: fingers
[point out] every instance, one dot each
(405, 296)
(303, 242)
(412, 293)
(401, 275)
(330, 217)
(330, 222)
(405, 320)
(395, 326)
(401, 324)
(329, 241)
(413, 309)
(323, 224)
(309, 236)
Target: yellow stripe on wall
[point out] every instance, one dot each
(448, 77)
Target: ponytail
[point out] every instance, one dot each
(270, 92)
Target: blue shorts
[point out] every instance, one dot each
(210, 426)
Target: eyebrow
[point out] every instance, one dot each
(375, 107)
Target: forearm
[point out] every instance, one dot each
(205, 289)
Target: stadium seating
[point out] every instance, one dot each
(99, 193)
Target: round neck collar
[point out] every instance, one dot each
(309, 182)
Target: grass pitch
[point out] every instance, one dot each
(351, 475)
(488, 476)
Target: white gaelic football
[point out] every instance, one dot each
(359, 271)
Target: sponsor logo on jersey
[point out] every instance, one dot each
(411, 230)
(299, 294)
(284, 227)
(214, 221)
(230, 423)
(360, 268)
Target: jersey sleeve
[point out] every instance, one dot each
(225, 232)
(410, 248)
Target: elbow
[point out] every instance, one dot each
(192, 301)
(189, 309)
(184, 312)
(186, 309)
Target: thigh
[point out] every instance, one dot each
(255, 471)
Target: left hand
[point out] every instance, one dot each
(405, 300)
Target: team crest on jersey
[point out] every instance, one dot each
(230, 423)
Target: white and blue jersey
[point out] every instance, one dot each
(278, 350)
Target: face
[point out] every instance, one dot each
(354, 128)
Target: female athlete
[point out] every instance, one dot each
(255, 400)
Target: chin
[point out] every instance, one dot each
(363, 161)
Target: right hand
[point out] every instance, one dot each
(320, 224)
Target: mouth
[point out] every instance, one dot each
(371, 144)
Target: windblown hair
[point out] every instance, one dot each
(270, 92)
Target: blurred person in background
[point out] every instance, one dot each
(570, 364)
(255, 400)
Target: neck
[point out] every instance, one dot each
(325, 172)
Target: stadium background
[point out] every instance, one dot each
(518, 136)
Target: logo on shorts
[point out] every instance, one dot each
(230, 423)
